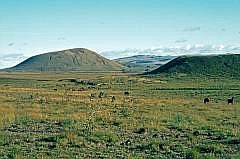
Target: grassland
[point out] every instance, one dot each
(53, 116)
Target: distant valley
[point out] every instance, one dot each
(144, 63)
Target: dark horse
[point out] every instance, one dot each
(206, 100)
(230, 100)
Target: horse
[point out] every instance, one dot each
(230, 100)
(206, 100)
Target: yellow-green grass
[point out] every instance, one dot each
(43, 116)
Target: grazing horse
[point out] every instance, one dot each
(126, 93)
(92, 95)
(113, 98)
(101, 94)
(206, 100)
(230, 100)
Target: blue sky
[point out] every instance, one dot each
(30, 27)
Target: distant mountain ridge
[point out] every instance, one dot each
(79, 59)
(220, 65)
(143, 63)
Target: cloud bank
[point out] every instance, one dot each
(10, 60)
(197, 49)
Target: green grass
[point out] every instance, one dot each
(213, 65)
(163, 117)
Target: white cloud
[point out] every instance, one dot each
(10, 60)
(61, 38)
(188, 47)
(197, 49)
(11, 44)
(191, 29)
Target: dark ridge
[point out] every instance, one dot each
(217, 65)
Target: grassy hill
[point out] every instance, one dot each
(79, 59)
(219, 65)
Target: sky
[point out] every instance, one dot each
(117, 28)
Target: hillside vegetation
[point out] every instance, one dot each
(216, 65)
(68, 60)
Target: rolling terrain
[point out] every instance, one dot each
(121, 115)
(74, 115)
(213, 65)
(67, 60)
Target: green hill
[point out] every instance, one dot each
(216, 65)
(68, 60)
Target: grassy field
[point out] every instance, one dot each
(54, 116)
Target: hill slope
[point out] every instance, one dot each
(143, 63)
(68, 60)
(203, 65)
